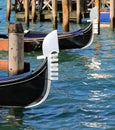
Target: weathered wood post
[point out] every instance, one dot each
(54, 13)
(16, 49)
(83, 8)
(26, 6)
(78, 9)
(33, 10)
(24, 3)
(112, 14)
(8, 12)
(70, 6)
(97, 4)
(65, 12)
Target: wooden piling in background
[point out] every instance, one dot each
(26, 6)
(97, 4)
(33, 10)
(8, 12)
(70, 6)
(112, 14)
(78, 11)
(54, 13)
(65, 12)
(16, 49)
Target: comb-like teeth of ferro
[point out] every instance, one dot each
(54, 66)
(54, 59)
(95, 26)
(54, 78)
(54, 55)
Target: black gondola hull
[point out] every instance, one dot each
(21, 92)
(67, 40)
(79, 40)
(32, 88)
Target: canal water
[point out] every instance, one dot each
(84, 96)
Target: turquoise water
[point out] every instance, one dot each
(84, 96)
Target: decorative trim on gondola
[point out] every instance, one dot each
(50, 51)
(94, 21)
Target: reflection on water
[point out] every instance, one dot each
(10, 118)
(100, 76)
(95, 64)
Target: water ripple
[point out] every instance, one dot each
(84, 96)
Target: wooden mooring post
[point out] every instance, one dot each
(33, 10)
(78, 11)
(16, 49)
(26, 7)
(65, 12)
(112, 14)
(97, 4)
(70, 6)
(54, 13)
(26, 10)
(8, 11)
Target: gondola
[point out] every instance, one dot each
(32, 88)
(67, 40)
(81, 38)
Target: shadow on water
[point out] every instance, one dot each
(11, 119)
